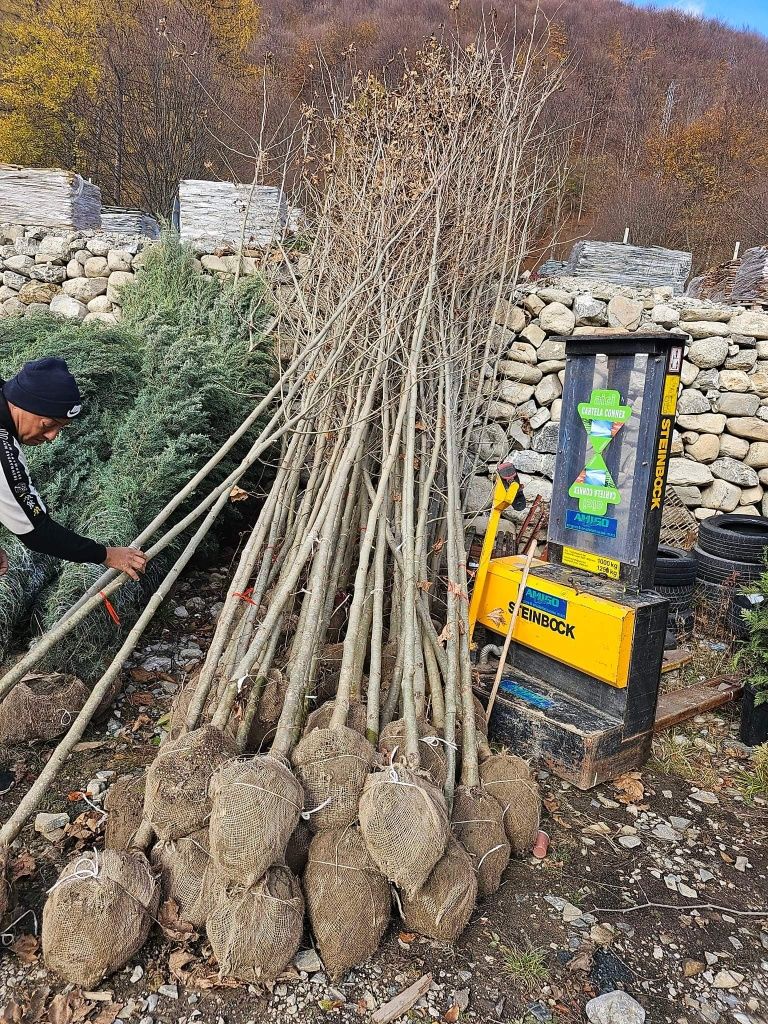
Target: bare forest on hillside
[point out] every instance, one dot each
(664, 113)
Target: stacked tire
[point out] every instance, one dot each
(729, 556)
(675, 579)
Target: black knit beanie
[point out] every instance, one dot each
(45, 387)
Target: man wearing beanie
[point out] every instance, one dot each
(35, 406)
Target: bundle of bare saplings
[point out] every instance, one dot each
(331, 752)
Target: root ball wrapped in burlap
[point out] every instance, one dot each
(41, 707)
(332, 765)
(255, 807)
(478, 824)
(442, 907)
(348, 899)
(432, 749)
(264, 724)
(98, 915)
(255, 932)
(124, 807)
(404, 821)
(181, 865)
(321, 717)
(176, 800)
(509, 781)
(297, 850)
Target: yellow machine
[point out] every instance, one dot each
(584, 665)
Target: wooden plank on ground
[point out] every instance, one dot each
(675, 659)
(680, 705)
(403, 1002)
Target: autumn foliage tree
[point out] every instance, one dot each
(666, 111)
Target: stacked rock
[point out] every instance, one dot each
(720, 447)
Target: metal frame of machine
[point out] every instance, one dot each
(587, 646)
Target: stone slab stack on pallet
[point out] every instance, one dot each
(48, 196)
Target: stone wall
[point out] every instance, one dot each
(720, 453)
(79, 275)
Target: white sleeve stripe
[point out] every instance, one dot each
(20, 504)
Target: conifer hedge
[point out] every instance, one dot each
(162, 391)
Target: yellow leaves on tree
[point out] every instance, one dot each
(51, 52)
(713, 156)
(235, 24)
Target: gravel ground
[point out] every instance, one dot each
(656, 885)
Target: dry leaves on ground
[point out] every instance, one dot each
(629, 788)
(172, 925)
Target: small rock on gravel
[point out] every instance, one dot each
(615, 1008)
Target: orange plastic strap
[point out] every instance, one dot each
(110, 608)
(245, 596)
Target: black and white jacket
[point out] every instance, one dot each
(23, 511)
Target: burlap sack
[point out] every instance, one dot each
(181, 865)
(477, 822)
(442, 907)
(176, 800)
(348, 899)
(508, 779)
(264, 726)
(124, 806)
(255, 806)
(320, 718)
(332, 765)
(255, 933)
(98, 915)
(41, 707)
(404, 821)
(432, 749)
(297, 850)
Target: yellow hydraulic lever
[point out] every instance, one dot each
(507, 490)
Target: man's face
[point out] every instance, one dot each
(34, 429)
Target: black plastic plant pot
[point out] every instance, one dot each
(754, 719)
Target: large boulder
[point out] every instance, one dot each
(734, 404)
(97, 245)
(119, 259)
(757, 456)
(490, 442)
(705, 329)
(511, 391)
(708, 352)
(685, 472)
(589, 311)
(37, 291)
(545, 441)
(536, 463)
(624, 313)
(68, 307)
(19, 264)
(665, 316)
(721, 496)
(758, 382)
(551, 349)
(548, 389)
(712, 314)
(692, 402)
(706, 423)
(734, 447)
(556, 318)
(706, 448)
(552, 294)
(50, 273)
(523, 352)
(52, 250)
(525, 373)
(734, 472)
(85, 288)
(117, 282)
(743, 359)
(751, 427)
(750, 323)
(688, 373)
(96, 266)
(734, 380)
